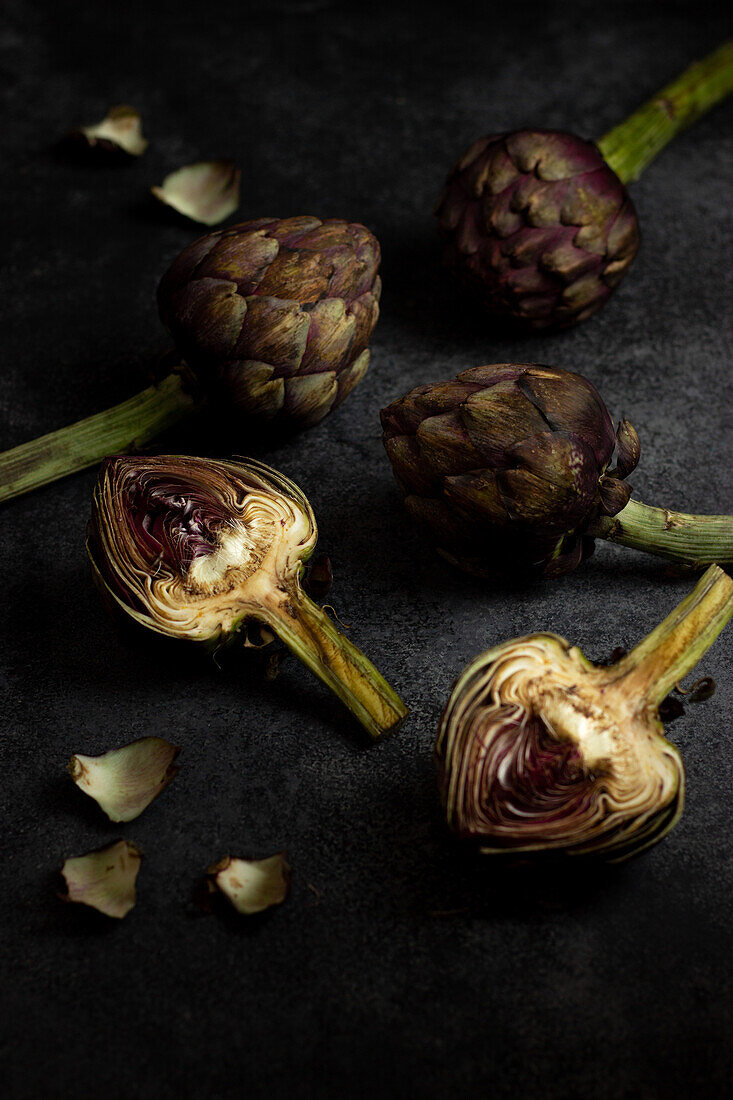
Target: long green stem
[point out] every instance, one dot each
(87, 442)
(692, 540)
(314, 639)
(665, 656)
(634, 143)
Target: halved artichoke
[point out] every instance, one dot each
(198, 549)
(541, 751)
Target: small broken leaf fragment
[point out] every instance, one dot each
(124, 781)
(252, 885)
(104, 879)
(206, 192)
(120, 131)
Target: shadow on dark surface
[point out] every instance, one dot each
(60, 795)
(422, 295)
(440, 876)
(57, 916)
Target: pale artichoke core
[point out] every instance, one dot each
(539, 749)
(190, 546)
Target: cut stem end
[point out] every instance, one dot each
(316, 641)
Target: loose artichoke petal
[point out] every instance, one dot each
(120, 131)
(104, 879)
(252, 885)
(125, 781)
(207, 192)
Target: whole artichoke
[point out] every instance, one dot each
(538, 223)
(507, 465)
(507, 468)
(273, 319)
(538, 226)
(202, 550)
(539, 750)
(275, 316)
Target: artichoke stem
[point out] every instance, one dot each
(121, 428)
(688, 539)
(314, 639)
(664, 657)
(634, 143)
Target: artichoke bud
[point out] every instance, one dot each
(541, 751)
(538, 227)
(275, 316)
(208, 551)
(628, 449)
(503, 466)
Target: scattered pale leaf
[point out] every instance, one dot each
(124, 781)
(206, 193)
(104, 879)
(121, 131)
(252, 885)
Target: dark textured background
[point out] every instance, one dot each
(412, 971)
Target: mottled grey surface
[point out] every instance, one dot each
(397, 967)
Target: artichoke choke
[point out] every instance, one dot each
(198, 549)
(508, 468)
(539, 750)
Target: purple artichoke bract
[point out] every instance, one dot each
(275, 316)
(507, 465)
(538, 226)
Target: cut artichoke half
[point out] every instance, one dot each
(539, 750)
(197, 549)
(123, 782)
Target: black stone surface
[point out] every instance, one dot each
(398, 967)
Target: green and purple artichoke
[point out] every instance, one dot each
(508, 468)
(274, 317)
(538, 226)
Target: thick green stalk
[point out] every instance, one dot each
(121, 428)
(664, 657)
(633, 144)
(691, 540)
(314, 639)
